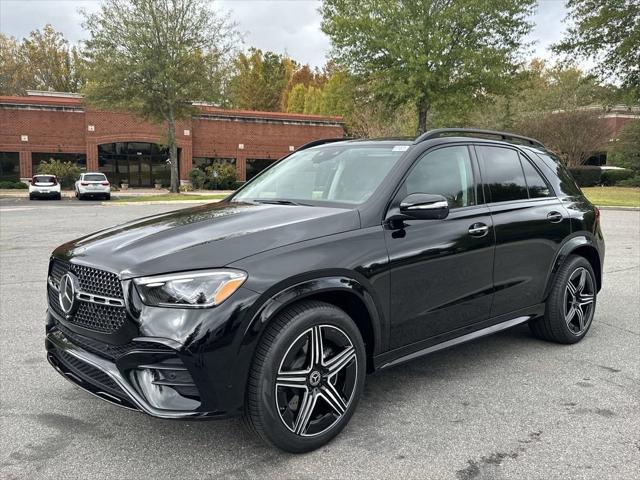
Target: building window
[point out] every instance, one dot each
(139, 164)
(79, 159)
(256, 165)
(9, 166)
(203, 162)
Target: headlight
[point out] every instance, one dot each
(199, 289)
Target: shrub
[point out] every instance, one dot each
(11, 184)
(197, 178)
(185, 188)
(586, 176)
(225, 179)
(66, 172)
(614, 177)
(630, 182)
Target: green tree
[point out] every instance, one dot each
(13, 77)
(297, 95)
(155, 57)
(337, 96)
(259, 80)
(312, 100)
(626, 149)
(42, 61)
(427, 52)
(607, 31)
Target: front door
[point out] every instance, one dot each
(530, 225)
(441, 270)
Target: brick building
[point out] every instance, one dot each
(46, 125)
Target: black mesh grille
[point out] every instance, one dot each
(91, 280)
(101, 318)
(88, 373)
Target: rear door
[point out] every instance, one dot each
(530, 223)
(441, 270)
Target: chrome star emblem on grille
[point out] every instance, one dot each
(67, 292)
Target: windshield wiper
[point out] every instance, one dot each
(278, 202)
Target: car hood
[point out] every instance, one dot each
(207, 236)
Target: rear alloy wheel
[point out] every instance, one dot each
(307, 377)
(571, 303)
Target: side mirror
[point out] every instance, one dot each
(425, 206)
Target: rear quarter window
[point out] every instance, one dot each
(567, 183)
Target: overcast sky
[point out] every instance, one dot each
(291, 26)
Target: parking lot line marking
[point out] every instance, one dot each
(16, 209)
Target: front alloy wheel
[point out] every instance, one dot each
(316, 380)
(306, 378)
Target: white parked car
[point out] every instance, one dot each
(93, 185)
(44, 186)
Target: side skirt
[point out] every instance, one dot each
(425, 347)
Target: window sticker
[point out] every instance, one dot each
(400, 148)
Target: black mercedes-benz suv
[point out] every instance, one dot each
(345, 257)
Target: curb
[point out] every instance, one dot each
(620, 207)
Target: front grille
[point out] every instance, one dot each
(102, 318)
(98, 317)
(106, 350)
(92, 280)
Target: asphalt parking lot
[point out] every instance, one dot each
(503, 407)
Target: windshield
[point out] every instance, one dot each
(95, 177)
(337, 174)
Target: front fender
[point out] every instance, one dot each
(281, 296)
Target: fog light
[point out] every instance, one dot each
(167, 385)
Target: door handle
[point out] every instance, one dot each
(478, 230)
(554, 217)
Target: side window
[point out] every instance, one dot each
(502, 173)
(447, 172)
(538, 188)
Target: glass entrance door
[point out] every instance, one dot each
(145, 171)
(134, 172)
(139, 163)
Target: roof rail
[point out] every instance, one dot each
(322, 141)
(507, 137)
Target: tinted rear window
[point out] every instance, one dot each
(502, 173)
(44, 179)
(95, 178)
(537, 186)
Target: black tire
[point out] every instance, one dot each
(289, 333)
(30, 197)
(558, 324)
(80, 196)
(59, 197)
(107, 196)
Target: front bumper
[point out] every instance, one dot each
(117, 382)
